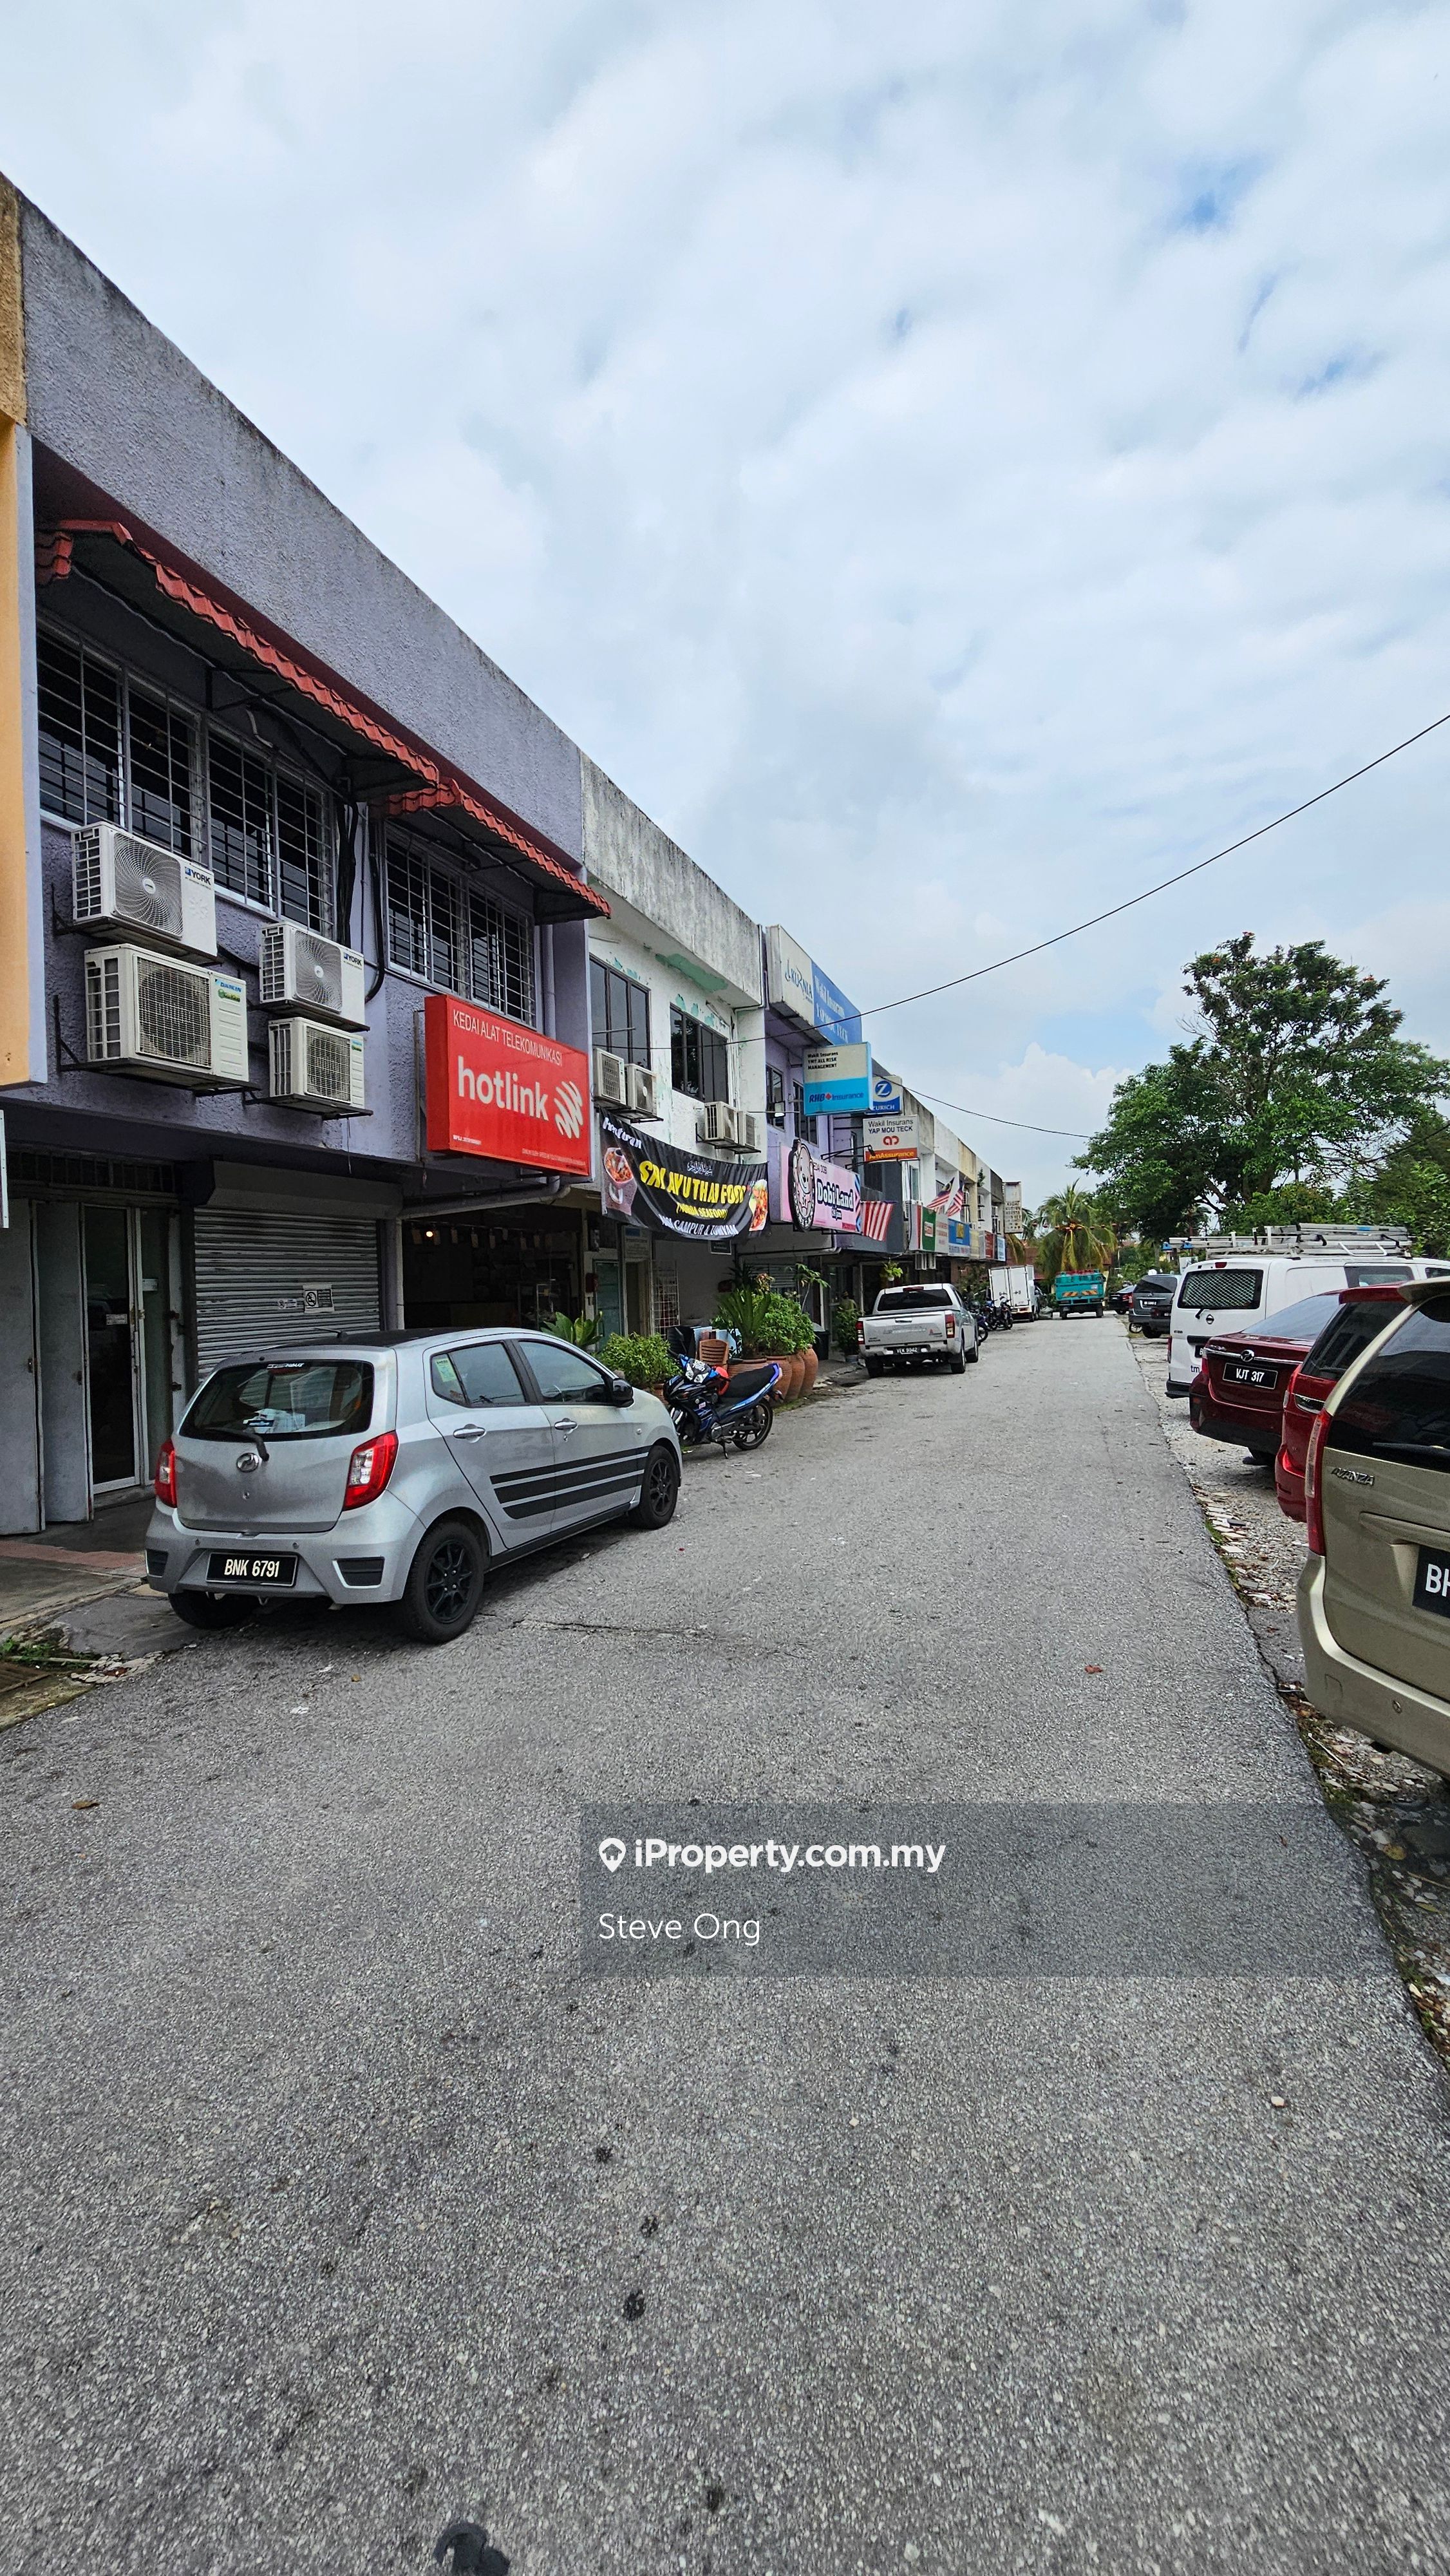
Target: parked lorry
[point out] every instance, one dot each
(918, 1326)
(1078, 1292)
(1014, 1284)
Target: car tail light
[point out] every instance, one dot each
(951, 1328)
(860, 1328)
(1313, 1507)
(165, 1477)
(370, 1468)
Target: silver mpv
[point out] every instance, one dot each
(395, 1468)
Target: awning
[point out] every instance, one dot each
(439, 787)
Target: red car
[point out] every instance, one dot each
(1361, 1314)
(1238, 1394)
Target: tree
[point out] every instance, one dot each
(1074, 1233)
(1294, 1084)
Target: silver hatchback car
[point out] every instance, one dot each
(395, 1469)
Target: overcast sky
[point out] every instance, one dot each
(951, 465)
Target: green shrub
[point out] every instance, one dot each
(644, 1358)
(581, 1329)
(845, 1316)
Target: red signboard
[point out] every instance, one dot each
(499, 1089)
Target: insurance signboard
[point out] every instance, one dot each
(837, 1078)
(494, 1087)
(890, 1140)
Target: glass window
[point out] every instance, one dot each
(241, 819)
(80, 732)
(1351, 1331)
(1212, 1290)
(699, 1059)
(775, 1095)
(619, 1013)
(564, 1376)
(304, 853)
(160, 767)
(1301, 1322)
(283, 1400)
(912, 1300)
(457, 937)
(798, 1106)
(481, 1373)
(1370, 1274)
(1400, 1406)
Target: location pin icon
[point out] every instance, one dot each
(611, 1852)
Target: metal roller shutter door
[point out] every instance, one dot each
(252, 1271)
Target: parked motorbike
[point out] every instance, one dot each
(709, 1405)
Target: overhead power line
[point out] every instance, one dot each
(1079, 1134)
(974, 976)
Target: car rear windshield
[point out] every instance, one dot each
(1371, 1274)
(900, 1299)
(283, 1400)
(1214, 1289)
(1400, 1406)
(1302, 1322)
(1351, 1331)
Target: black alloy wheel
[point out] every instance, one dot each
(755, 1427)
(445, 1582)
(214, 1609)
(659, 1490)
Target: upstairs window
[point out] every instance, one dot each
(114, 749)
(699, 1059)
(457, 937)
(619, 1013)
(775, 1095)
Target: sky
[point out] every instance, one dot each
(952, 465)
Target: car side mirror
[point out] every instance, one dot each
(620, 1391)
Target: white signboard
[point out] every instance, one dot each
(890, 1140)
(789, 976)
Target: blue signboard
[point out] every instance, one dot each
(886, 1099)
(959, 1235)
(838, 1019)
(837, 1079)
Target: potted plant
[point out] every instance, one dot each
(579, 1329)
(644, 1358)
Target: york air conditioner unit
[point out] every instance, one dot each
(141, 887)
(311, 973)
(609, 1082)
(750, 1128)
(644, 1091)
(315, 1067)
(173, 1023)
(720, 1123)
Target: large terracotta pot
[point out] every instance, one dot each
(792, 1374)
(812, 1360)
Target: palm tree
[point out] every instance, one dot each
(1074, 1232)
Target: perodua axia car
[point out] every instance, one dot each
(395, 1469)
(1374, 1597)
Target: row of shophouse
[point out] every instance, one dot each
(339, 990)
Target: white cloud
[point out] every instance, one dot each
(952, 467)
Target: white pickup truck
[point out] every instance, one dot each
(917, 1325)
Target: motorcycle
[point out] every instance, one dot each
(707, 1404)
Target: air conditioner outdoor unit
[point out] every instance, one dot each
(315, 1067)
(609, 1081)
(750, 1128)
(720, 1123)
(301, 968)
(173, 1023)
(644, 1091)
(138, 885)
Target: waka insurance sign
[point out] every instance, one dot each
(497, 1088)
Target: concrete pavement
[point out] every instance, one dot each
(343, 2206)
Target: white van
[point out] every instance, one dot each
(1227, 1292)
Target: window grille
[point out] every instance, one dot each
(80, 732)
(456, 937)
(160, 763)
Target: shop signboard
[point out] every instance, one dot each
(890, 1140)
(789, 977)
(837, 1078)
(655, 1184)
(837, 1018)
(886, 1096)
(494, 1087)
(818, 1193)
(959, 1236)
(928, 1231)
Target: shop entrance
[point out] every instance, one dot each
(126, 1256)
(477, 1273)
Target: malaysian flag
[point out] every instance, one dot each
(951, 1201)
(875, 1218)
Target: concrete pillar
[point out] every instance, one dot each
(19, 1377)
(61, 1341)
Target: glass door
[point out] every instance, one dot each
(110, 1347)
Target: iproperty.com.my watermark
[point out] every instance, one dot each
(655, 1851)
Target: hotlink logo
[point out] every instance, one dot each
(568, 1109)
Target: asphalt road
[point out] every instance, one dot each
(341, 2205)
